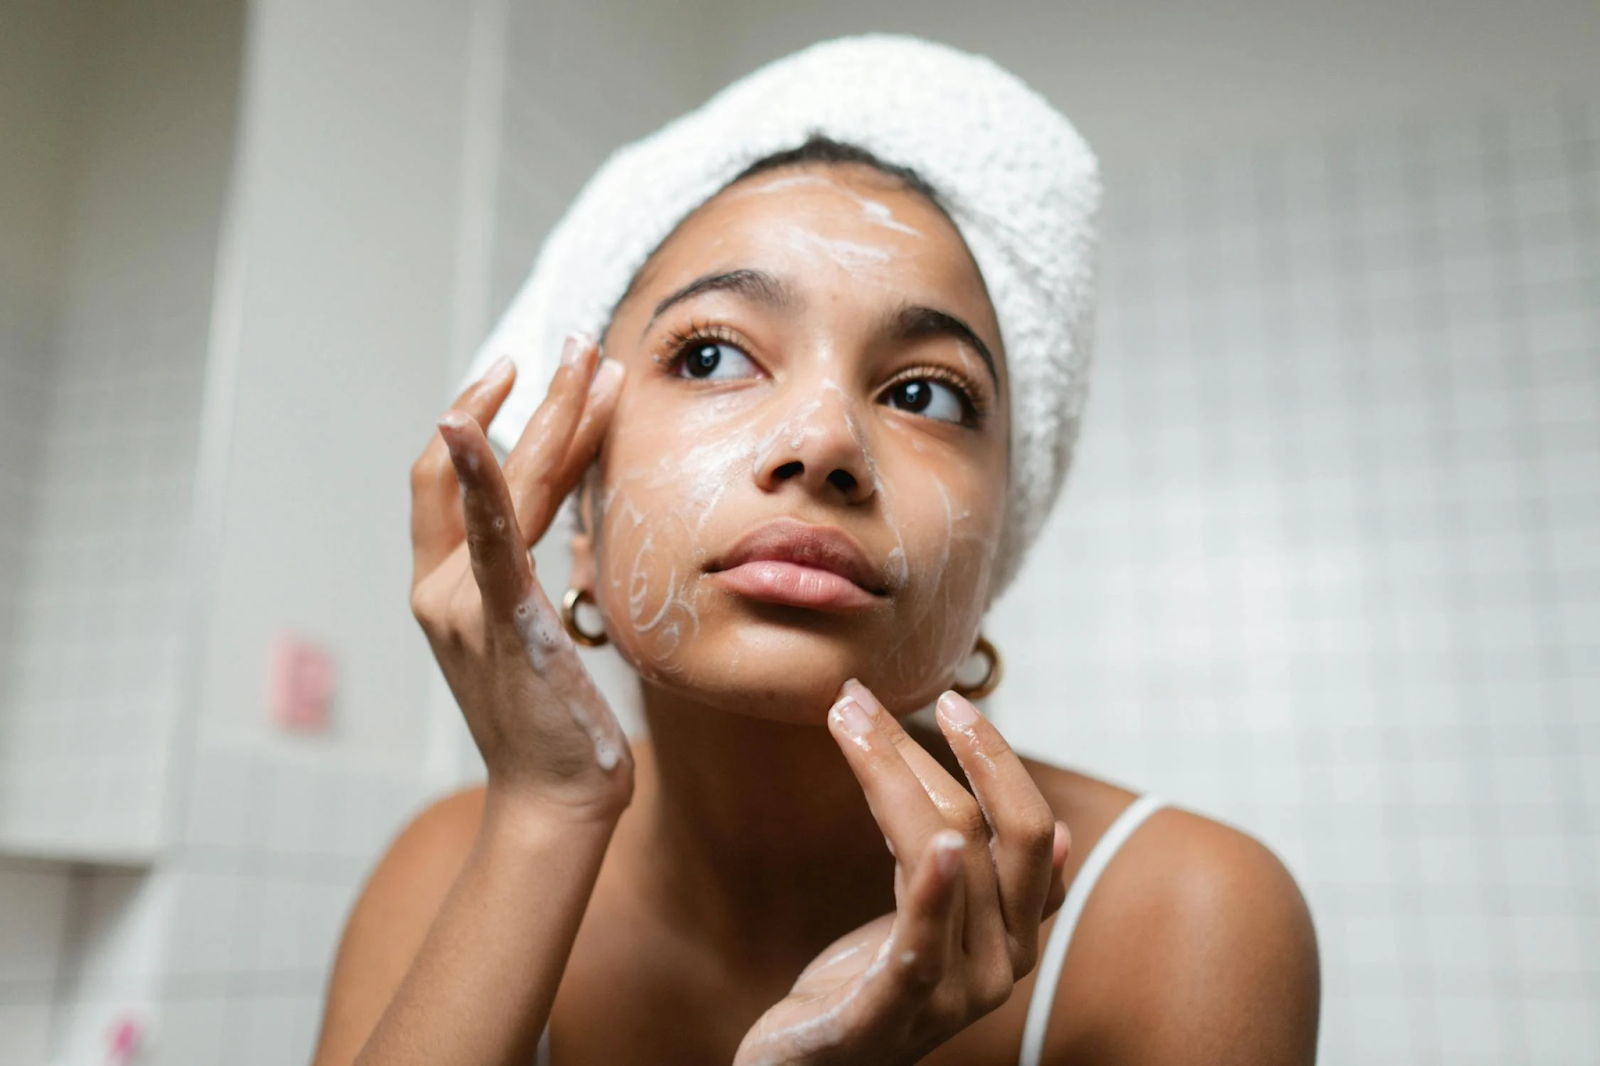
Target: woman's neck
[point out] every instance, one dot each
(752, 832)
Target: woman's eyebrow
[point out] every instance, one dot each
(912, 322)
(756, 285)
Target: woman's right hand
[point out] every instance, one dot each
(545, 732)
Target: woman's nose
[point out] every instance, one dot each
(818, 443)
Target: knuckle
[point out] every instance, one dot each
(919, 973)
(426, 471)
(1039, 836)
(991, 989)
(947, 1007)
(423, 608)
(967, 817)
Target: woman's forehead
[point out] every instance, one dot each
(828, 230)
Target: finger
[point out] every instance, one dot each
(499, 562)
(927, 926)
(986, 933)
(1060, 849)
(536, 458)
(899, 803)
(601, 404)
(436, 526)
(953, 801)
(1019, 817)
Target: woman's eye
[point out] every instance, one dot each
(715, 360)
(931, 399)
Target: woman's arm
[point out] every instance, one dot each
(459, 941)
(476, 989)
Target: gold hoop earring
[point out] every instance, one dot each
(569, 617)
(991, 677)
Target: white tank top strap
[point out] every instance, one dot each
(1055, 949)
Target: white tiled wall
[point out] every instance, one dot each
(220, 953)
(1329, 564)
(335, 299)
(36, 901)
(24, 387)
(95, 680)
(113, 428)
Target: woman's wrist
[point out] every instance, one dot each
(520, 817)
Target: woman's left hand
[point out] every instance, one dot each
(974, 877)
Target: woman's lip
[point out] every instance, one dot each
(779, 581)
(788, 540)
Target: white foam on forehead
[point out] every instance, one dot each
(1019, 182)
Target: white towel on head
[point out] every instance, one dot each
(1020, 183)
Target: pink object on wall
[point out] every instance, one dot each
(123, 1042)
(300, 684)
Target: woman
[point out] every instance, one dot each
(835, 403)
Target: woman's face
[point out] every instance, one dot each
(806, 473)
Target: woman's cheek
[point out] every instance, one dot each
(950, 539)
(645, 571)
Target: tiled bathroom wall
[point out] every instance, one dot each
(24, 386)
(112, 429)
(96, 663)
(1329, 563)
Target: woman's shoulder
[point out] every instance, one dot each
(1195, 945)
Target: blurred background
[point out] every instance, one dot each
(1328, 567)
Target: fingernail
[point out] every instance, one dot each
(947, 851)
(453, 419)
(606, 378)
(570, 349)
(498, 370)
(851, 715)
(957, 710)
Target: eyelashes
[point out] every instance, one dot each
(974, 406)
(684, 341)
(680, 342)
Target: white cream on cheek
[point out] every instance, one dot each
(654, 561)
(948, 572)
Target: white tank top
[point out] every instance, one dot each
(1054, 955)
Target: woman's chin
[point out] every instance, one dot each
(779, 692)
(797, 683)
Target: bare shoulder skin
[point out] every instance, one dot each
(1195, 931)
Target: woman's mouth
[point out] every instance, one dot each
(801, 565)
